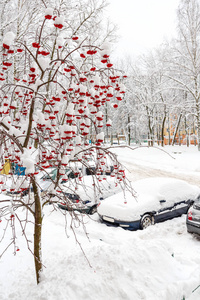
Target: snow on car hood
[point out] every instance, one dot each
(148, 193)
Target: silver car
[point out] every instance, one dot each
(193, 218)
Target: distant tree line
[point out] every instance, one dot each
(163, 88)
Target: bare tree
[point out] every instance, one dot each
(185, 57)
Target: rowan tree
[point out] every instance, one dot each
(48, 109)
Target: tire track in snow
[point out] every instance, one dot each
(135, 172)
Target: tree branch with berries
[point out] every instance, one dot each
(48, 117)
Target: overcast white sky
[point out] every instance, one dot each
(143, 24)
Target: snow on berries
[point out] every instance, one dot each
(48, 13)
(8, 40)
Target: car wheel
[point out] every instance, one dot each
(146, 221)
(93, 210)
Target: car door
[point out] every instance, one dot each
(165, 212)
(182, 207)
(168, 211)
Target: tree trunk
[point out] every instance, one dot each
(37, 231)
(198, 126)
(179, 138)
(111, 137)
(198, 141)
(194, 134)
(150, 130)
(150, 134)
(129, 131)
(162, 131)
(176, 129)
(163, 126)
(158, 137)
(187, 133)
(169, 131)
(118, 139)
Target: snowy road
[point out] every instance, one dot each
(135, 172)
(146, 162)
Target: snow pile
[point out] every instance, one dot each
(153, 264)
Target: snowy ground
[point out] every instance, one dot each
(161, 262)
(180, 162)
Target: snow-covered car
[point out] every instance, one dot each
(193, 218)
(46, 181)
(88, 193)
(73, 170)
(155, 200)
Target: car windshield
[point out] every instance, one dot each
(52, 174)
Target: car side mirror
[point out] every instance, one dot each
(162, 201)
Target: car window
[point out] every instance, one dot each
(90, 171)
(52, 175)
(71, 175)
(197, 202)
(198, 199)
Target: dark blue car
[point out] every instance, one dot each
(153, 200)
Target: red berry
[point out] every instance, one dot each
(6, 46)
(36, 45)
(48, 17)
(109, 65)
